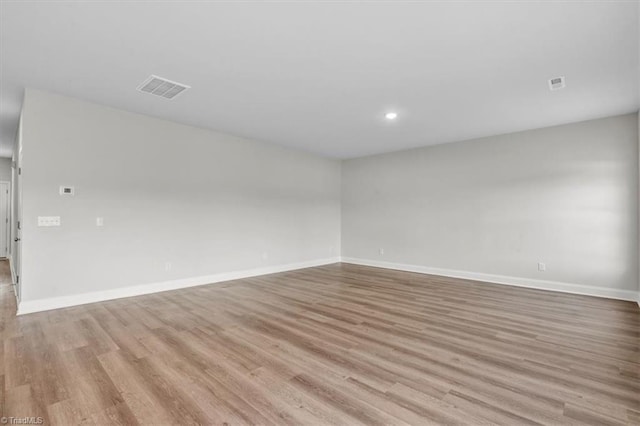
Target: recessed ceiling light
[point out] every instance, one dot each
(391, 115)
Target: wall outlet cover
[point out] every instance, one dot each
(67, 190)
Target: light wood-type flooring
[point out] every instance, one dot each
(337, 344)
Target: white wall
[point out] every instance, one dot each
(211, 204)
(208, 203)
(5, 169)
(493, 208)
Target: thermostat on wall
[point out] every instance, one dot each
(67, 190)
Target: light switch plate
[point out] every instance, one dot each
(48, 220)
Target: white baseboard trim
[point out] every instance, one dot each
(609, 293)
(31, 306)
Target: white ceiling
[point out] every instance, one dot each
(320, 75)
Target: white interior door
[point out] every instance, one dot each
(16, 217)
(5, 233)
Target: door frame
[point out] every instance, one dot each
(8, 221)
(16, 214)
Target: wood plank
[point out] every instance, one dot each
(336, 344)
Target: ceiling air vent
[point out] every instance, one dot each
(556, 83)
(162, 87)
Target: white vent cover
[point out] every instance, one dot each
(556, 83)
(162, 87)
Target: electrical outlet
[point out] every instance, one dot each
(542, 267)
(167, 266)
(265, 256)
(381, 251)
(99, 221)
(67, 190)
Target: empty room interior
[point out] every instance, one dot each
(319, 212)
